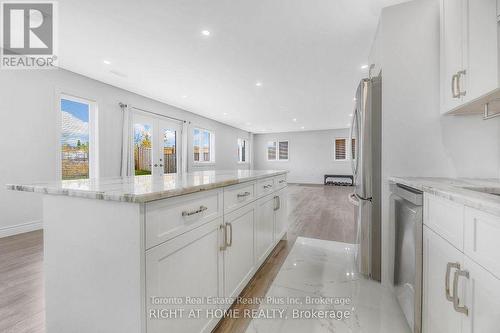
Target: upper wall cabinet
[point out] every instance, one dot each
(469, 51)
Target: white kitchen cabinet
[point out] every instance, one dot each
(452, 43)
(473, 305)
(264, 228)
(469, 51)
(482, 48)
(281, 214)
(439, 257)
(190, 265)
(238, 249)
(482, 300)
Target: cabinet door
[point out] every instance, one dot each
(482, 299)
(438, 314)
(482, 48)
(239, 254)
(264, 228)
(189, 265)
(451, 36)
(281, 218)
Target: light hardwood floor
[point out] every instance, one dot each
(322, 212)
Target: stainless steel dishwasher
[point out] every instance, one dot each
(406, 206)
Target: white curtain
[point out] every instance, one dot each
(126, 165)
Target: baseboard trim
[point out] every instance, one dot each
(20, 228)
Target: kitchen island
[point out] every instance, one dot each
(155, 254)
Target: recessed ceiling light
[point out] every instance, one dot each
(205, 33)
(294, 120)
(258, 84)
(248, 124)
(354, 99)
(348, 125)
(107, 62)
(364, 66)
(302, 127)
(184, 96)
(350, 115)
(225, 113)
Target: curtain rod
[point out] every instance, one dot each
(123, 105)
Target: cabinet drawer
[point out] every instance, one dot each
(446, 218)
(238, 195)
(280, 181)
(265, 186)
(482, 235)
(168, 218)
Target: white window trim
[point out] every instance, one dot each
(348, 146)
(93, 132)
(212, 146)
(247, 150)
(277, 150)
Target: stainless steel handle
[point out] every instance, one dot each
(279, 202)
(486, 114)
(459, 76)
(224, 239)
(194, 212)
(456, 301)
(449, 266)
(454, 79)
(242, 195)
(353, 199)
(230, 243)
(354, 162)
(268, 186)
(276, 203)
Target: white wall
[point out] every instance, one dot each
(416, 139)
(28, 141)
(310, 155)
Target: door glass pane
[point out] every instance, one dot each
(75, 136)
(206, 146)
(142, 149)
(196, 145)
(169, 151)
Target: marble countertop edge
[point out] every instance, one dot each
(141, 190)
(456, 190)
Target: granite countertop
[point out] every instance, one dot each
(141, 189)
(459, 190)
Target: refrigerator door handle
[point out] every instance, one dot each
(354, 162)
(353, 199)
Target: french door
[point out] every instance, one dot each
(156, 144)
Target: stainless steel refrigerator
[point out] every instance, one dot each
(366, 139)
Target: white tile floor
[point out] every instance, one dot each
(323, 270)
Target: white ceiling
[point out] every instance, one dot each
(306, 53)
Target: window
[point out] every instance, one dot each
(78, 138)
(277, 150)
(353, 148)
(203, 146)
(242, 150)
(340, 149)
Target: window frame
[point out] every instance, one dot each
(247, 147)
(212, 146)
(93, 132)
(277, 145)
